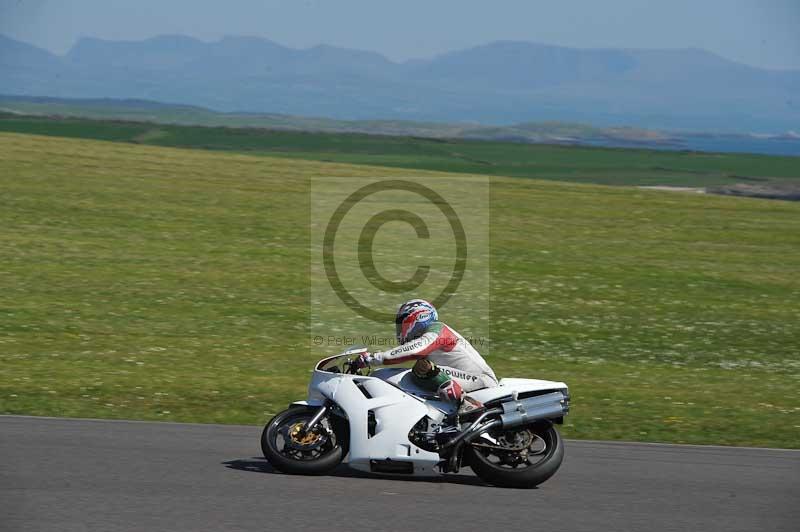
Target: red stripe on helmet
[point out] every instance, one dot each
(410, 321)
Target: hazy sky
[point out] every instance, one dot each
(764, 33)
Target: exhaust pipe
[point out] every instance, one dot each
(526, 411)
(514, 414)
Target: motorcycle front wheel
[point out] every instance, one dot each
(517, 458)
(292, 449)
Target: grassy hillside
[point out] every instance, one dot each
(162, 113)
(562, 163)
(155, 283)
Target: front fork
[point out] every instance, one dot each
(317, 417)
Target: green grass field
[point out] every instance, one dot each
(561, 163)
(156, 283)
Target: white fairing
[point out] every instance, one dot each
(401, 377)
(507, 387)
(396, 412)
(397, 405)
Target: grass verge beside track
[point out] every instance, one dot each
(154, 283)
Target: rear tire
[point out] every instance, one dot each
(316, 454)
(492, 467)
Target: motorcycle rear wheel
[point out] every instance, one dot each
(518, 469)
(291, 450)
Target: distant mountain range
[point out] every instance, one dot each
(498, 83)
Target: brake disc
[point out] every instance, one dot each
(299, 439)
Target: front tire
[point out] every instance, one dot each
(291, 450)
(525, 468)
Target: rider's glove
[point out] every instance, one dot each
(450, 391)
(363, 360)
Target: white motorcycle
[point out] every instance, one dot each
(381, 422)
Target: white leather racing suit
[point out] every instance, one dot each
(450, 351)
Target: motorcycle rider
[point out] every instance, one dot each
(446, 363)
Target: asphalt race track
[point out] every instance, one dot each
(78, 475)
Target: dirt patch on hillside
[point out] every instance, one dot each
(779, 191)
(694, 190)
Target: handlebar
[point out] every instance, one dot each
(351, 367)
(348, 365)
